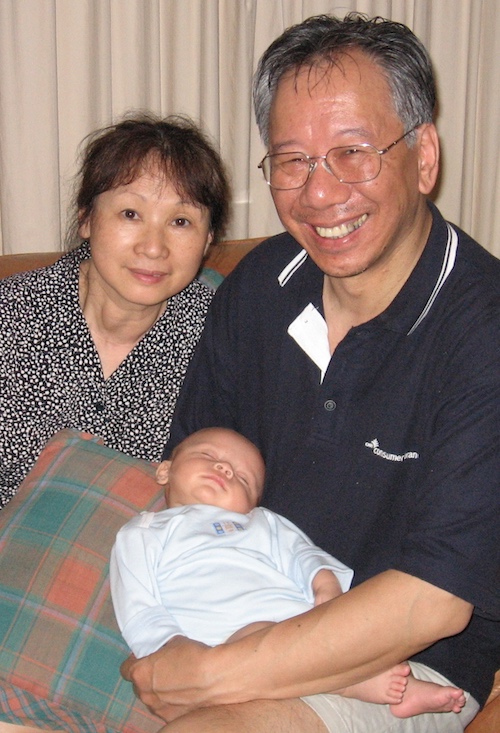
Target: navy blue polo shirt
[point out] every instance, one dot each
(387, 454)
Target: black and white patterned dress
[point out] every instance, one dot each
(51, 376)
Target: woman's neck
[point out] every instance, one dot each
(116, 327)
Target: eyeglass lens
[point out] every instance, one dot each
(348, 164)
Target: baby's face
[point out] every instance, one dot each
(218, 467)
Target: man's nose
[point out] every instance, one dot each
(323, 188)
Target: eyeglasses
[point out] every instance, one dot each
(349, 164)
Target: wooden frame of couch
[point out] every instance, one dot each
(223, 257)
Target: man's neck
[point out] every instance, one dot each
(351, 301)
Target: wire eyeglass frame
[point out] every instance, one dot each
(265, 164)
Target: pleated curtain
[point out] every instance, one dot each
(70, 66)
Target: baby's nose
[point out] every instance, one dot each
(225, 468)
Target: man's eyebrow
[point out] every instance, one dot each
(293, 146)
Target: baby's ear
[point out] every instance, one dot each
(162, 473)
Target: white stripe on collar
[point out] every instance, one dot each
(292, 267)
(450, 255)
(449, 259)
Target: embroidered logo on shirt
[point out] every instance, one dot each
(398, 457)
(228, 527)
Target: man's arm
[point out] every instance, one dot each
(357, 635)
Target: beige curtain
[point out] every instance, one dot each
(69, 66)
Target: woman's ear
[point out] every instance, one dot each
(428, 158)
(84, 224)
(210, 239)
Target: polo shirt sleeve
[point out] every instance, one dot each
(453, 540)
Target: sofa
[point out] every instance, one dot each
(97, 485)
(221, 258)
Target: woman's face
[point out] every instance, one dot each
(147, 242)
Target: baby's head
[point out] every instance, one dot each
(214, 466)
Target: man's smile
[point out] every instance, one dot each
(342, 230)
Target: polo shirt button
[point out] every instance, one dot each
(100, 407)
(330, 405)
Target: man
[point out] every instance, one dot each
(360, 352)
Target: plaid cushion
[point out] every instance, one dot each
(211, 278)
(60, 647)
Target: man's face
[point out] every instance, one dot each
(348, 229)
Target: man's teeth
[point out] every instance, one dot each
(342, 231)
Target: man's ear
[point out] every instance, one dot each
(428, 154)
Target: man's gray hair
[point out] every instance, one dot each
(324, 39)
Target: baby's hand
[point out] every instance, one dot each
(162, 473)
(325, 586)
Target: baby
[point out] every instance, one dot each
(214, 566)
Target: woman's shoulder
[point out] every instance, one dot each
(40, 290)
(67, 263)
(194, 300)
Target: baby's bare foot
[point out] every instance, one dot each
(386, 688)
(428, 697)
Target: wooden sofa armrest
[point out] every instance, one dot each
(488, 720)
(223, 257)
(226, 255)
(12, 264)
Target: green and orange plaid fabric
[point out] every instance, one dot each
(60, 647)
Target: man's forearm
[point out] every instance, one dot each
(381, 622)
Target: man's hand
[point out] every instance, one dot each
(359, 634)
(158, 679)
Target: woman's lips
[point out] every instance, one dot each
(148, 276)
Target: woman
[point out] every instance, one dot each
(100, 340)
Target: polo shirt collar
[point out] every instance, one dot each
(422, 290)
(418, 295)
